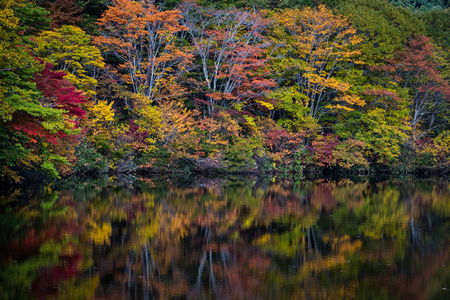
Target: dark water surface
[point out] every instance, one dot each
(226, 239)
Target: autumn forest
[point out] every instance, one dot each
(288, 86)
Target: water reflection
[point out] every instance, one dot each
(227, 239)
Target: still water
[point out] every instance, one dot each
(235, 238)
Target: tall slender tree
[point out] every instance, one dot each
(229, 46)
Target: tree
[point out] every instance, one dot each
(69, 49)
(313, 46)
(63, 12)
(143, 39)
(17, 92)
(416, 69)
(50, 128)
(38, 106)
(382, 125)
(422, 5)
(229, 47)
(32, 18)
(40, 124)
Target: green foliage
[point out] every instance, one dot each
(13, 154)
(349, 154)
(421, 5)
(380, 131)
(32, 18)
(298, 163)
(91, 11)
(384, 27)
(256, 4)
(168, 4)
(158, 159)
(298, 117)
(17, 68)
(437, 25)
(273, 4)
(239, 156)
(89, 160)
(48, 166)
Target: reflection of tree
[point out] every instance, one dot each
(222, 240)
(290, 249)
(47, 258)
(323, 239)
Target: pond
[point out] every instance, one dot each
(226, 238)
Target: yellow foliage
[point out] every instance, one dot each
(314, 43)
(7, 18)
(176, 121)
(439, 149)
(100, 234)
(70, 49)
(101, 112)
(149, 120)
(267, 105)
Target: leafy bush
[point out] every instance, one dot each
(89, 160)
(239, 155)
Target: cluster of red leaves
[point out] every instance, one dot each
(416, 67)
(281, 139)
(30, 127)
(58, 92)
(139, 137)
(323, 149)
(44, 285)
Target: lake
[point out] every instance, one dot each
(226, 238)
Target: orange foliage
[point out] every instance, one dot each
(142, 38)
